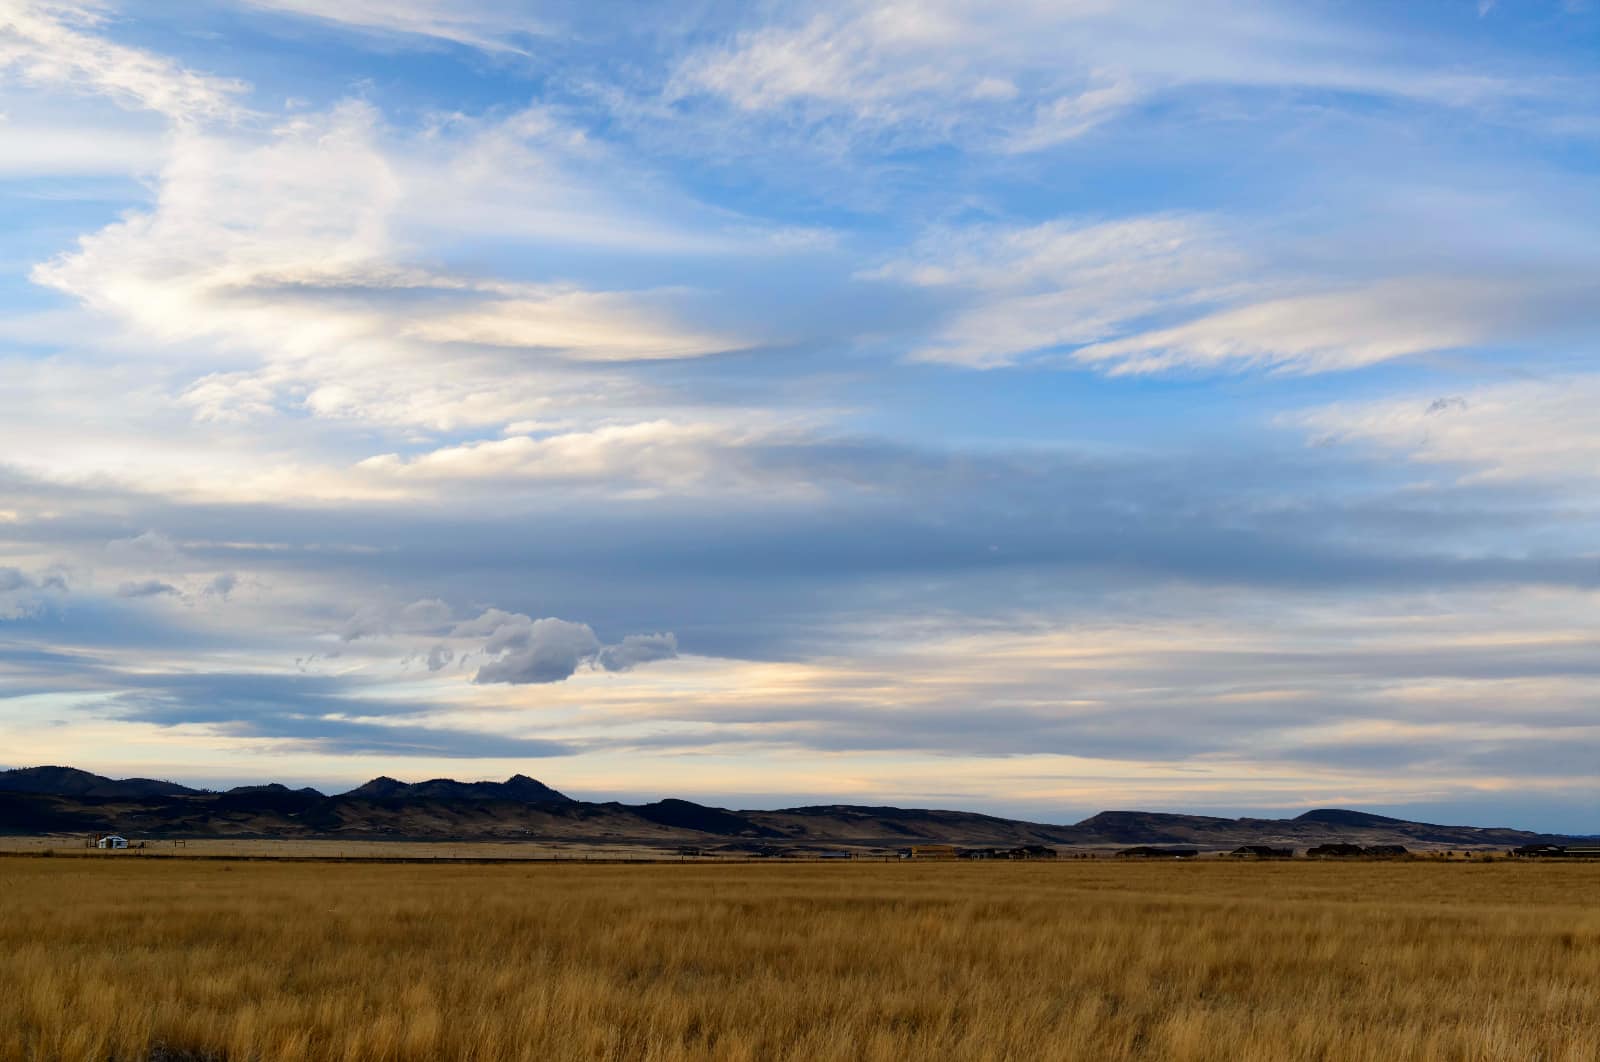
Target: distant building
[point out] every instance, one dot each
(1031, 851)
(1261, 851)
(1145, 851)
(111, 840)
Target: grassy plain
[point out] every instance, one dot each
(127, 958)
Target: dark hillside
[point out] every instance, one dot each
(42, 800)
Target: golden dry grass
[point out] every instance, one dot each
(128, 958)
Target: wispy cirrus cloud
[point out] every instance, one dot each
(1349, 329)
(52, 43)
(1535, 431)
(494, 27)
(1033, 76)
(910, 72)
(1173, 293)
(1020, 290)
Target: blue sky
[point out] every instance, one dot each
(1036, 408)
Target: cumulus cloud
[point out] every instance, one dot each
(636, 649)
(527, 650)
(518, 648)
(542, 650)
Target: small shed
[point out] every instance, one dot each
(111, 840)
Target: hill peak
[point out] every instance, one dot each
(519, 788)
(70, 781)
(1346, 817)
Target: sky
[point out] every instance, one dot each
(1034, 408)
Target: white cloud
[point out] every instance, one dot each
(1349, 329)
(525, 650)
(1106, 295)
(1027, 289)
(490, 26)
(1539, 431)
(594, 326)
(1026, 76)
(45, 43)
(927, 68)
(653, 452)
(1071, 116)
(288, 255)
(42, 146)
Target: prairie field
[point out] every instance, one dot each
(137, 959)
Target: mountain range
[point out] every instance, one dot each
(58, 800)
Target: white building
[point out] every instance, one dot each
(111, 840)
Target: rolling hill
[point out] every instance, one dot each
(41, 800)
